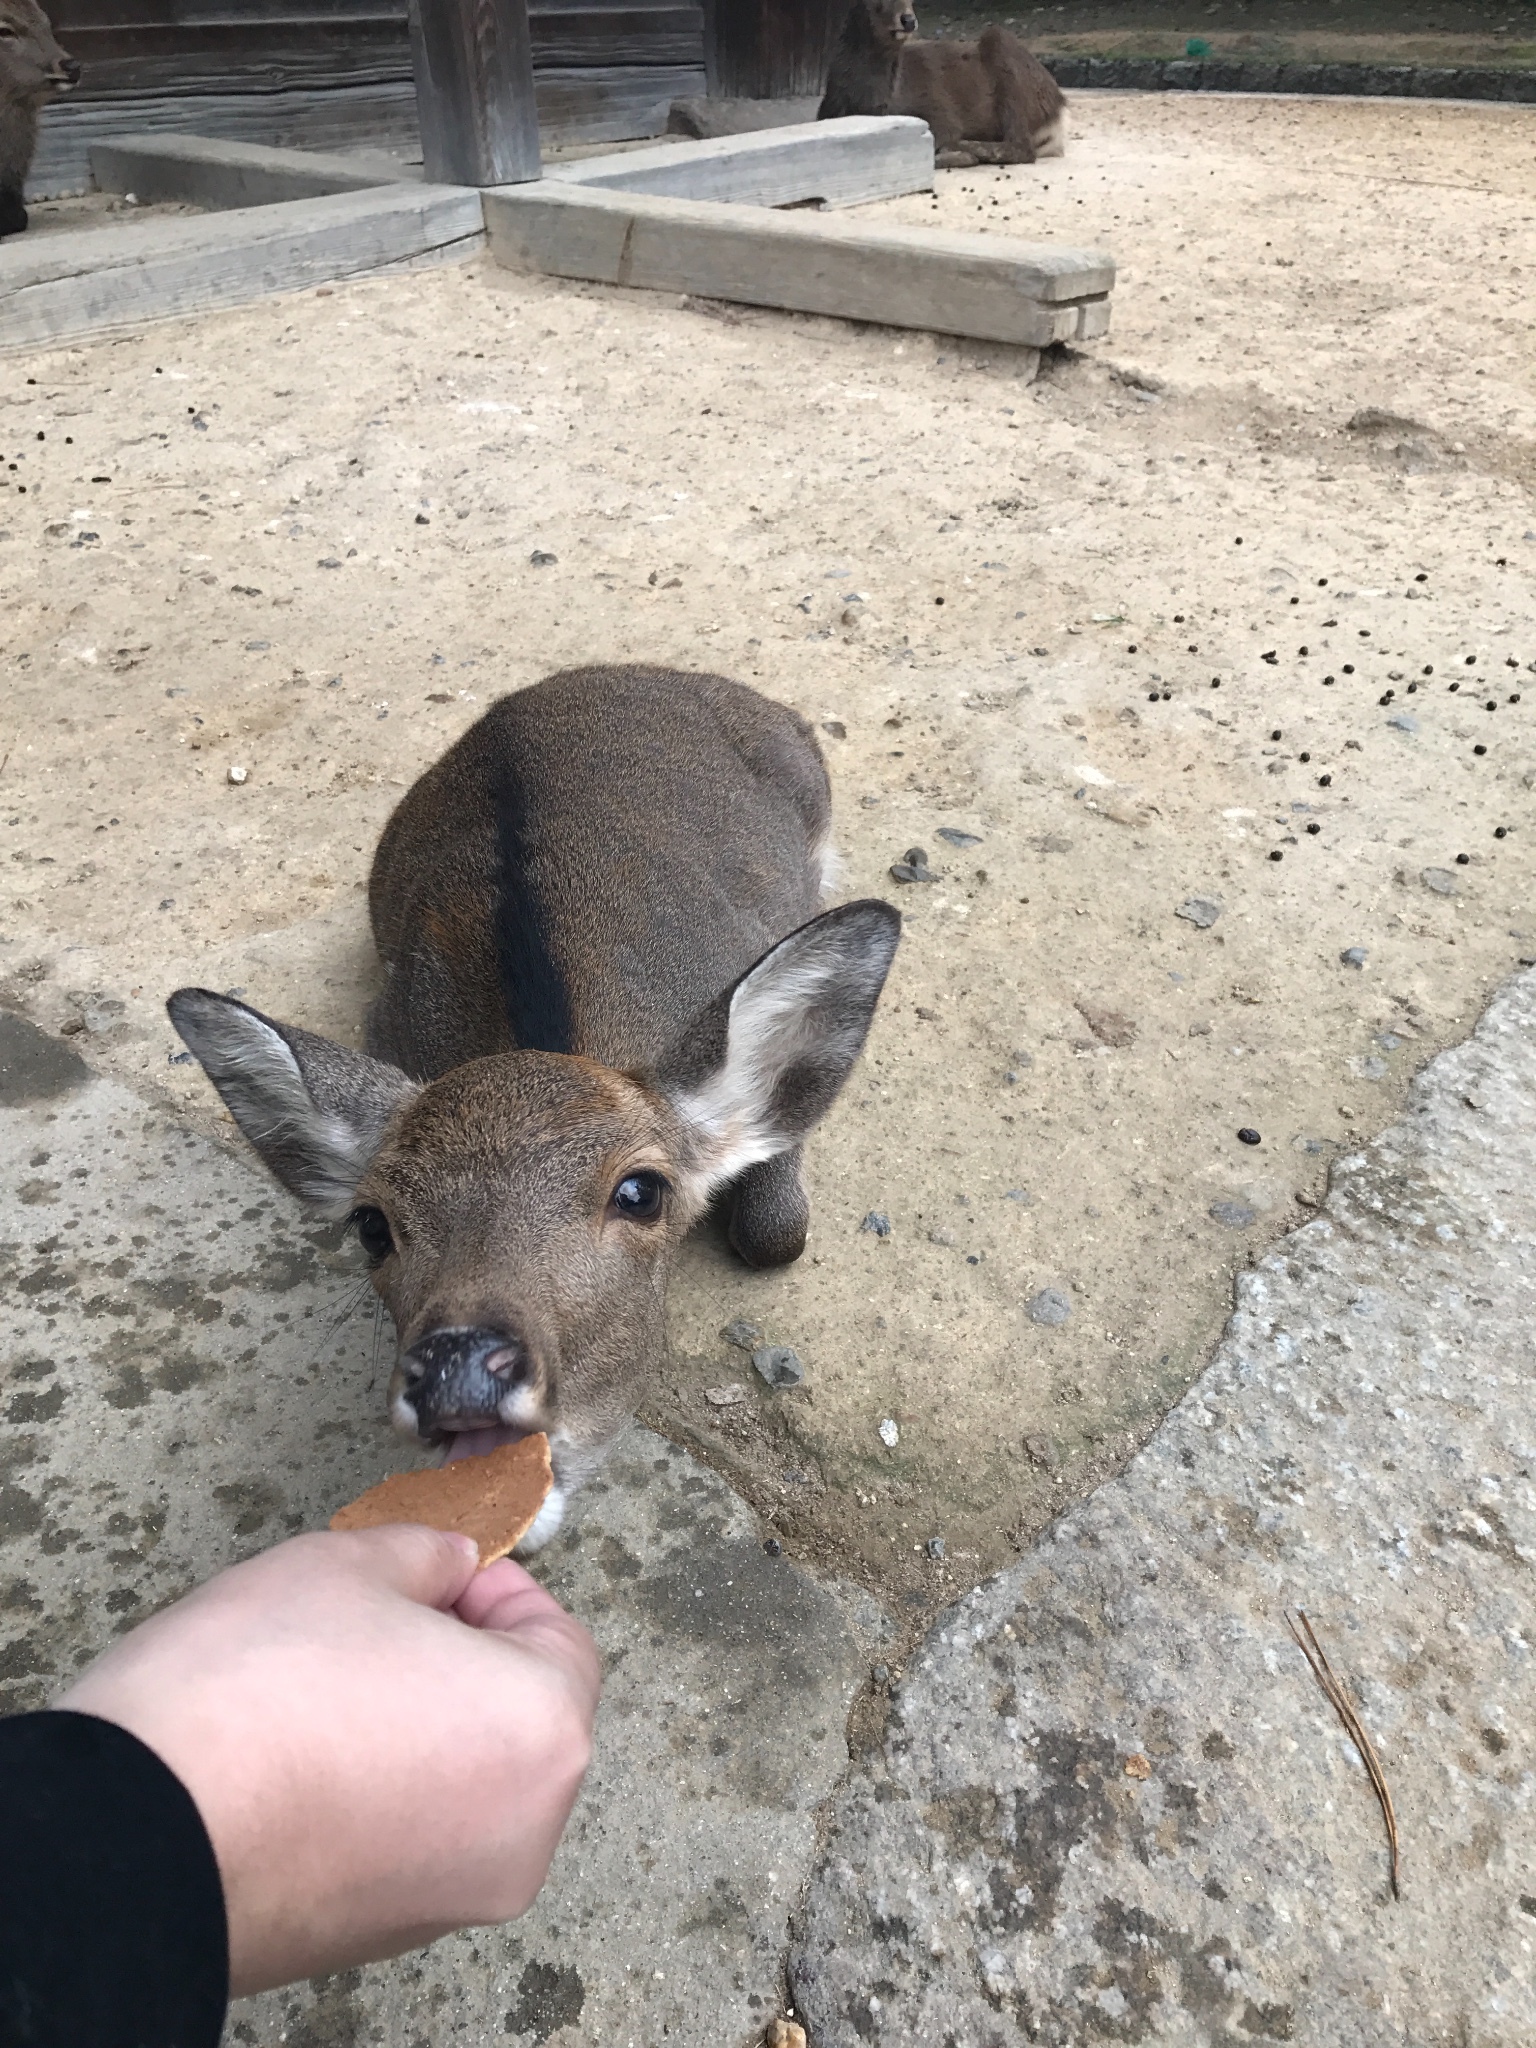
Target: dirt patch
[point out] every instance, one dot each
(304, 540)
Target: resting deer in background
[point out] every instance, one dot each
(991, 101)
(607, 998)
(32, 69)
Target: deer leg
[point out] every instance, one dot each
(13, 214)
(770, 1213)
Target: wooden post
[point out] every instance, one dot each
(474, 91)
(769, 49)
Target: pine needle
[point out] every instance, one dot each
(1306, 1641)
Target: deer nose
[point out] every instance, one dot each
(457, 1379)
(908, 23)
(68, 71)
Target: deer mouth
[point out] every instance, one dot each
(479, 1443)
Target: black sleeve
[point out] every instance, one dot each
(112, 1931)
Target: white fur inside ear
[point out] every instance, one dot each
(776, 1022)
(255, 1070)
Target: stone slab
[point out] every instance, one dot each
(191, 1371)
(53, 288)
(1112, 1803)
(207, 171)
(987, 286)
(839, 163)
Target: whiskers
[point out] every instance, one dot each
(352, 1301)
(378, 1341)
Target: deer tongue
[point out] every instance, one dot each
(479, 1443)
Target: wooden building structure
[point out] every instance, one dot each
(337, 74)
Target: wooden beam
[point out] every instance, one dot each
(990, 287)
(474, 91)
(217, 175)
(57, 287)
(841, 163)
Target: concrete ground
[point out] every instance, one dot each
(1111, 1802)
(300, 539)
(1101, 1801)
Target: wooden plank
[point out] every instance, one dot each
(841, 163)
(76, 18)
(769, 49)
(599, 36)
(371, 117)
(613, 104)
(57, 287)
(474, 91)
(260, 57)
(988, 286)
(239, 57)
(219, 175)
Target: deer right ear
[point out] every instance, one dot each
(313, 1110)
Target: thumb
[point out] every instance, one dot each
(429, 1566)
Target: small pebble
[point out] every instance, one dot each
(941, 1237)
(1050, 1308)
(934, 1546)
(954, 837)
(1235, 1215)
(1463, 860)
(1314, 828)
(541, 558)
(774, 1547)
(1325, 782)
(1440, 880)
(726, 1397)
(1275, 853)
(913, 867)
(778, 1365)
(890, 1435)
(877, 1223)
(1248, 1136)
(744, 1335)
(1354, 956)
(1479, 750)
(1201, 911)
(237, 775)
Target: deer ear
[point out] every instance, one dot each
(313, 1110)
(765, 1061)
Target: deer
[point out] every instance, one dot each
(32, 70)
(991, 101)
(610, 996)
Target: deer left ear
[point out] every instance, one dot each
(764, 1062)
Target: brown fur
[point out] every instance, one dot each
(597, 920)
(991, 101)
(32, 69)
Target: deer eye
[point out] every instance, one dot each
(373, 1234)
(639, 1196)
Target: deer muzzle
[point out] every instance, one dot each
(458, 1379)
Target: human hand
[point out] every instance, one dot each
(383, 1743)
